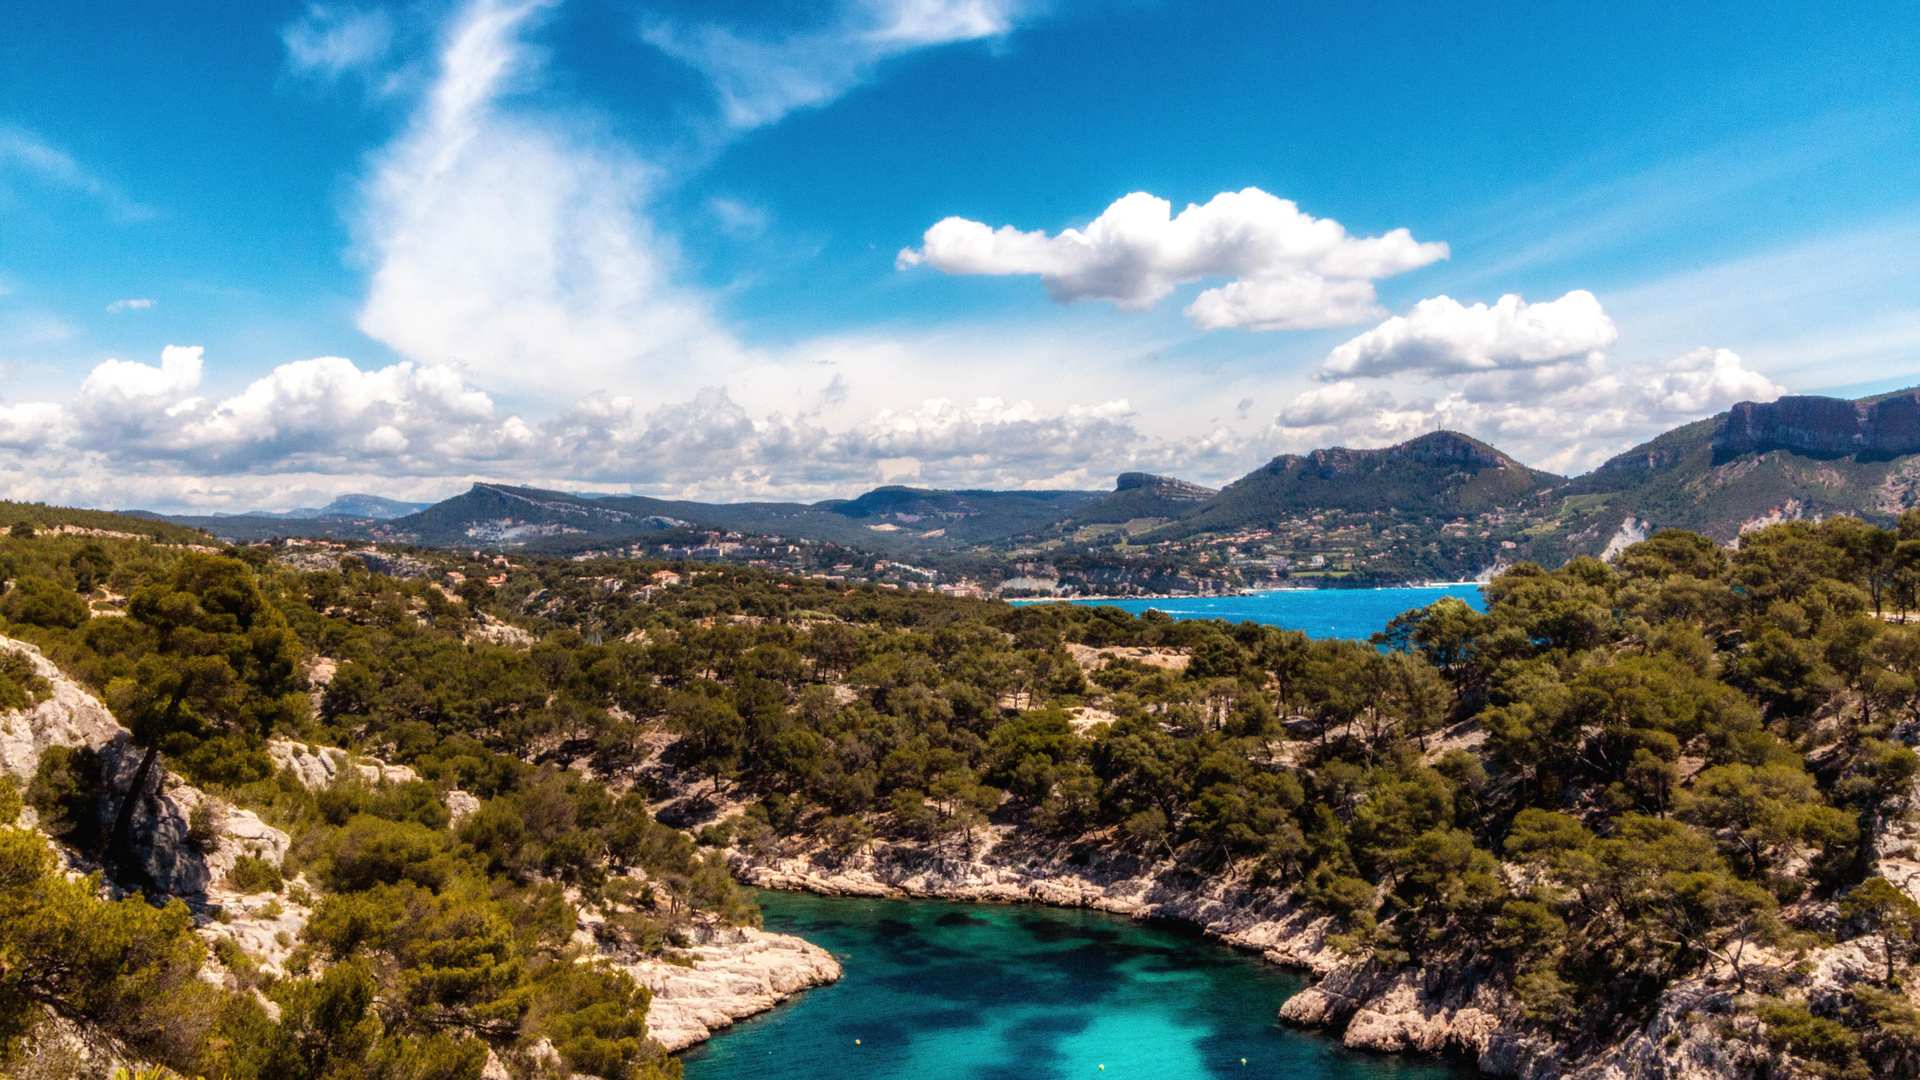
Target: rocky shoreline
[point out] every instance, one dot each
(1456, 1009)
(735, 973)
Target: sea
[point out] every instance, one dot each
(947, 991)
(1322, 613)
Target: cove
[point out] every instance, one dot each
(935, 990)
(1321, 613)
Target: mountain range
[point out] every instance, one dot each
(1758, 462)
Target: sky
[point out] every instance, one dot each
(257, 255)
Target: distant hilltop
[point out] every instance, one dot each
(1438, 505)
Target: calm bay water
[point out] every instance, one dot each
(1322, 613)
(942, 991)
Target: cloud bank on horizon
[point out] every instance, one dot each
(522, 266)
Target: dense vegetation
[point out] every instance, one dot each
(1615, 777)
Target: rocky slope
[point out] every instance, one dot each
(734, 972)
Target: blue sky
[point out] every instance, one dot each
(260, 254)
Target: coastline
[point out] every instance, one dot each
(1454, 1006)
(1026, 600)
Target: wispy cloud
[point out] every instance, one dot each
(329, 40)
(119, 306)
(518, 246)
(759, 79)
(26, 154)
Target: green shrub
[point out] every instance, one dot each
(251, 875)
(20, 685)
(38, 601)
(65, 794)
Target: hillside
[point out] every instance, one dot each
(42, 516)
(1645, 821)
(1439, 507)
(886, 520)
(1440, 475)
(1798, 457)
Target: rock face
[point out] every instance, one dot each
(1821, 426)
(163, 823)
(69, 717)
(737, 973)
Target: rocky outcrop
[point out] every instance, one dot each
(1821, 426)
(317, 767)
(736, 972)
(1165, 487)
(69, 716)
(493, 631)
(1631, 531)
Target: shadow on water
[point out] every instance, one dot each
(942, 991)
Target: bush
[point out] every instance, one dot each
(370, 851)
(37, 601)
(20, 686)
(65, 794)
(251, 875)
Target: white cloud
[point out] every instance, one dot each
(758, 81)
(129, 305)
(1326, 405)
(516, 246)
(1536, 380)
(1292, 271)
(1443, 336)
(737, 218)
(330, 40)
(135, 427)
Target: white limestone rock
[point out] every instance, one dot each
(739, 972)
(318, 767)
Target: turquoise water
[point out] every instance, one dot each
(1322, 613)
(942, 991)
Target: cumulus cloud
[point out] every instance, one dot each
(1445, 337)
(759, 80)
(323, 414)
(129, 305)
(1292, 271)
(1537, 380)
(413, 425)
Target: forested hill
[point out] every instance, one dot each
(27, 518)
(1624, 795)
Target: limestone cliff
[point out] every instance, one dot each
(1822, 426)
